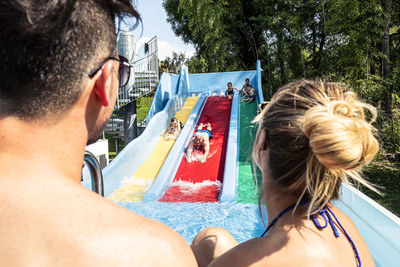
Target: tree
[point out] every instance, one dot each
(356, 42)
(173, 64)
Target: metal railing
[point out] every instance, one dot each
(144, 79)
(96, 175)
(145, 74)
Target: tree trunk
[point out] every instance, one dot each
(387, 6)
(280, 57)
(320, 49)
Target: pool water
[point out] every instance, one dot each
(241, 220)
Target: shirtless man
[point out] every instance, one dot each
(200, 141)
(59, 80)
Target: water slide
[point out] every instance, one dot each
(226, 185)
(207, 177)
(134, 188)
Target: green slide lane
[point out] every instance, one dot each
(247, 192)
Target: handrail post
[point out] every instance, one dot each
(96, 175)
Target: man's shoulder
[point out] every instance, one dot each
(81, 225)
(145, 242)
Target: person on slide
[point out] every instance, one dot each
(199, 142)
(174, 129)
(229, 91)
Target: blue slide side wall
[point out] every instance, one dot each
(379, 227)
(165, 91)
(229, 185)
(217, 81)
(259, 86)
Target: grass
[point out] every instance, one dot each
(142, 107)
(388, 179)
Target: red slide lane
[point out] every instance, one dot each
(190, 183)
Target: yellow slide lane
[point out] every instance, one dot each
(133, 189)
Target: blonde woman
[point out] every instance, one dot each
(312, 136)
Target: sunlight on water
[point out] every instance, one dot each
(241, 220)
(131, 190)
(189, 188)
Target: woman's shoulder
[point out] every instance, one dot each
(268, 251)
(273, 252)
(300, 245)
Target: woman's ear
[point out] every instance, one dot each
(260, 145)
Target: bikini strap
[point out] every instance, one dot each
(277, 218)
(326, 215)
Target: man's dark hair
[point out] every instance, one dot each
(47, 49)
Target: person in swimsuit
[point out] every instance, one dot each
(243, 91)
(312, 136)
(229, 92)
(173, 130)
(250, 94)
(201, 142)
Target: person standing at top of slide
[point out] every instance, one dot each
(59, 79)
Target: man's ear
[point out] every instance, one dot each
(103, 82)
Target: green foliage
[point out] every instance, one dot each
(171, 64)
(387, 178)
(142, 107)
(390, 132)
(390, 128)
(336, 40)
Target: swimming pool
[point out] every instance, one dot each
(241, 220)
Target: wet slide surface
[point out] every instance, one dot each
(201, 182)
(247, 190)
(134, 188)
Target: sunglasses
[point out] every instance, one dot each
(124, 71)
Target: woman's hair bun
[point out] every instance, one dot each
(339, 135)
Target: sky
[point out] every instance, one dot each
(154, 22)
